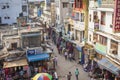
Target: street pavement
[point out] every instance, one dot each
(65, 66)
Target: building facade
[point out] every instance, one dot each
(101, 34)
(11, 10)
(78, 20)
(62, 9)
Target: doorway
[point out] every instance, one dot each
(14, 45)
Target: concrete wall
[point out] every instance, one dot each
(8, 42)
(60, 11)
(15, 7)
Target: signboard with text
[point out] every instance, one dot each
(31, 52)
(116, 25)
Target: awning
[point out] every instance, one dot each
(108, 65)
(38, 57)
(21, 62)
(30, 35)
(79, 48)
(100, 52)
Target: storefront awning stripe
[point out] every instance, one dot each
(38, 57)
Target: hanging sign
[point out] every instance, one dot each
(116, 24)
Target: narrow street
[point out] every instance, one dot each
(64, 66)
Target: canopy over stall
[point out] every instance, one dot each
(21, 62)
(38, 57)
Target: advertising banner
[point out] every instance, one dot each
(116, 24)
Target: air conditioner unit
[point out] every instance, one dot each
(113, 51)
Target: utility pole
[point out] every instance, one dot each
(86, 2)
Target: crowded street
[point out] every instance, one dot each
(66, 66)
(59, 40)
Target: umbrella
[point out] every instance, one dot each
(42, 76)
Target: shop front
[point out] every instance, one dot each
(13, 69)
(108, 65)
(38, 61)
(105, 63)
(79, 54)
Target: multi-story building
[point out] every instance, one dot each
(53, 16)
(78, 21)
(35, 9)
(101, 34)
(47, 14)
(75, 28)
(62, 9)
(10, 10)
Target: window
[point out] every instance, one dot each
(95, 17)
(89, 37)
(6, 17)
(69, 29)
(78, 3)
(114, 44)
(14, 45)
(114, 47)
(72, 5)
(103, 40)
(81, 3)
(65, 5)
(95, 37)
(90, 17)
(103, 16)
(3, 7)
(24, 8)
(77, 16)
(57, 17)
(81, 17)
(112, 18)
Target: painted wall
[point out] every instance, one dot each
(108, 22)
(15, 8)
(60, 11)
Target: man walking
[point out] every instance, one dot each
(69, 76)
(56, 76)
(76, 73)
(66, 55)
(56, 59)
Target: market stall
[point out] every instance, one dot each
(14, 69)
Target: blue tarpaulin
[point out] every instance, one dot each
(79, 48)
(108, 65)
(38, 57)
(39, 13)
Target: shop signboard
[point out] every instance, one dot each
(116, 24)
(31, 52)
(101, 48)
